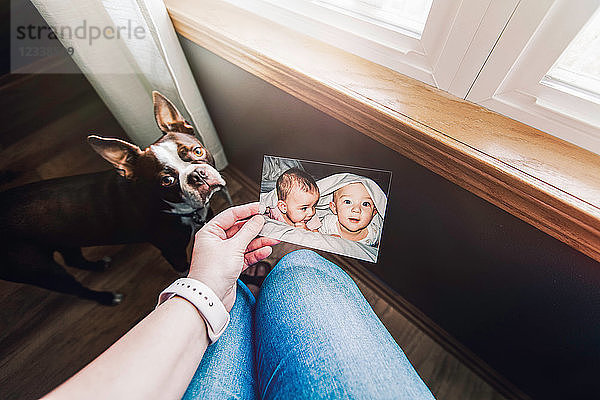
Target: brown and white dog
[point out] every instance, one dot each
(159, 195)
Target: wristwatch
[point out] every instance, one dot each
(204, 299)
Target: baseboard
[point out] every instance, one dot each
(431, 329)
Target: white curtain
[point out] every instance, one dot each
(137, 51)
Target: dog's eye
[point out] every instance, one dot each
(167, 180)
(199, 151)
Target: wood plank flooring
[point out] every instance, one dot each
(46, 337)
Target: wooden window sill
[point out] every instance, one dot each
(549, 183)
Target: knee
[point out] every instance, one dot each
(308, 264)
(301, 281)
(300, 257)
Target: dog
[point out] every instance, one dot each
(159, 195)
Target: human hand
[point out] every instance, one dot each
(314, 224)
(226, 246)
(274, 213)
(301, 225)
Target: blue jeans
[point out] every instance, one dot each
(310, 334)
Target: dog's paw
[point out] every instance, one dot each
(109, 298)
(100, 265)
(106, 260)
(117, 298)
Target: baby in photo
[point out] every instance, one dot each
(356, 207)
(353, 210)
(297, 194)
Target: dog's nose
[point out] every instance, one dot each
(197, 177)
(204, 174)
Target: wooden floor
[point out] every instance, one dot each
(46, 337)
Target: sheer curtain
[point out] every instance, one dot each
(126, 49)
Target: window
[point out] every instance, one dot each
(544, 70)
(537, 61)
(407, 15)
(577, 70)
(424, 39)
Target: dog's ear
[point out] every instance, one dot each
(121, 154)
(167, 116)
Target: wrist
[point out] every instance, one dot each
(202, 297)
(191, 314)
(215, 284)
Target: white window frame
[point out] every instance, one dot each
(491, 52)
(434, 58)
(509, 83)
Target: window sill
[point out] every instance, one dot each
(549, 183)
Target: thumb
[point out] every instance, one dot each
(250, 230)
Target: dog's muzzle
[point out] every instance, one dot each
(204, 174)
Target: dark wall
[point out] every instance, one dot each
(526, 303)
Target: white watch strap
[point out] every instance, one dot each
(204, 299)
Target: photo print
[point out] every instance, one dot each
(331, 207)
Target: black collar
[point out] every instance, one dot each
(198, 216)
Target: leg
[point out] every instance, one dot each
(29, 264)
(74, 258)
(173, 247)
(227, 368)
(317, 336)
(177, 257)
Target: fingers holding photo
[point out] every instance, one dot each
(255, 256)
(261, 242)
(234, 215)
